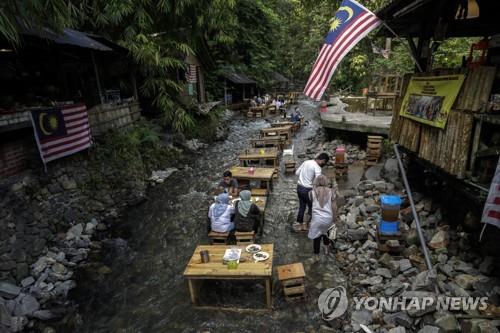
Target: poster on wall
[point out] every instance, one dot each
(429, 99)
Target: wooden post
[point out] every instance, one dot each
(475, 145)
(99, 89)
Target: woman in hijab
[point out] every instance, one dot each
(324, 209)
(247, 214)
(220, 214)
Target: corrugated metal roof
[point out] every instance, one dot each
(237, 77)
(68, 36)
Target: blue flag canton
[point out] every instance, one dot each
(49, 123)
(347, 13)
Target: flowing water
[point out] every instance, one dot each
(146, 291)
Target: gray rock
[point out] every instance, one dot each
(27, 281)
(424, 280)
(429, 329)
(8, 290)
(45, 315)
(372, 208)
(17, 324)
(360, 317)
(448, 323)
(59, 268)
(384, 272)
(374, 280)
(404, 264)
(357, 234)
(487, 327)
(75, 231)
(26, 305)
(4, 315)
(403, 319)
(487, 265)
(398, 329)
(442, 258)
(39, 266)
(373, 172)
(466, 281)
(393, 288)
(447, 269)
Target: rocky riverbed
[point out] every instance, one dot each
(145, 291)
(130, 277)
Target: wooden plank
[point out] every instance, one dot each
(265, 174)
(476, 89)
(291, 271)
(466, 144)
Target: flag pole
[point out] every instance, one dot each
(407, 47)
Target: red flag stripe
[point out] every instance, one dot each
(494, 214)
(69, 151)
(69, 130)
(347, 39)
(339, 55)
(74, 117)
(331, 48)
(51, 151)
(82, 134)
(316, 65)
(496, 201)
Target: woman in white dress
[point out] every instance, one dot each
(324, 209)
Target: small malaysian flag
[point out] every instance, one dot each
(61, 131)
(191, 76)
(352, 22)
(491, 213)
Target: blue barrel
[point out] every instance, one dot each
(388, 228)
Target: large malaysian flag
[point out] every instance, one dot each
(352, 22)
(61, 131)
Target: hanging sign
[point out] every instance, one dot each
(429, 99)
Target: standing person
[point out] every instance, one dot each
(221, 213)
(246, 213)
(228, 184)
(307, 172)
(324, 209)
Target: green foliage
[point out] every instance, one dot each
(54, 14)
(205, 126)
(256, 37)
(121, 156)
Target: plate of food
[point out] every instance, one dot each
(253, 248)
(260, 256)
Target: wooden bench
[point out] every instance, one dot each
(242, 238)
(292, 279)
(289, 166)
(245, 238)
(218, 237)
(373, 149)
(259, 192)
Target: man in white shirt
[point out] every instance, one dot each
(307, 171)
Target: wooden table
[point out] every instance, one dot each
(283, 131)
(216, 270)
(295, 126)
(261, 155)
(268, 142)
(261, 174)
(258, 110)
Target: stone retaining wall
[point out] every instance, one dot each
(36, 207)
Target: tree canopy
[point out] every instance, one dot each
(256, 37)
